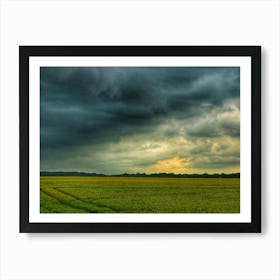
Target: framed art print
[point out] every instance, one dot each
(140, 138)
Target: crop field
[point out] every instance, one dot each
(68, 194)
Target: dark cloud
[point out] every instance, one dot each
(88, 106)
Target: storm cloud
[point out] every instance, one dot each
(109, 119)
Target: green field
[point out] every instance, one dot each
(70, 194)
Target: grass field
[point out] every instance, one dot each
(138, 195)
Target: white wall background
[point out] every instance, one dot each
(139, 256)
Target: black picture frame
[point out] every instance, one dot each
(25, 52)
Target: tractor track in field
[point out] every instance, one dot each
(83, 204)
(81, 200)
(62, 201)
(87, 208)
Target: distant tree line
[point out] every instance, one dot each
(165, 175)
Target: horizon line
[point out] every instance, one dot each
(138, 173)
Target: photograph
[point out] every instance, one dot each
(139, 139)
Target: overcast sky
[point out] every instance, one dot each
(114, 120)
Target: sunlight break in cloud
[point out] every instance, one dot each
(173, 165)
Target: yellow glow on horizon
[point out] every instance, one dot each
(172, 165)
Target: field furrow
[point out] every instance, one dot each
(73, 202)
